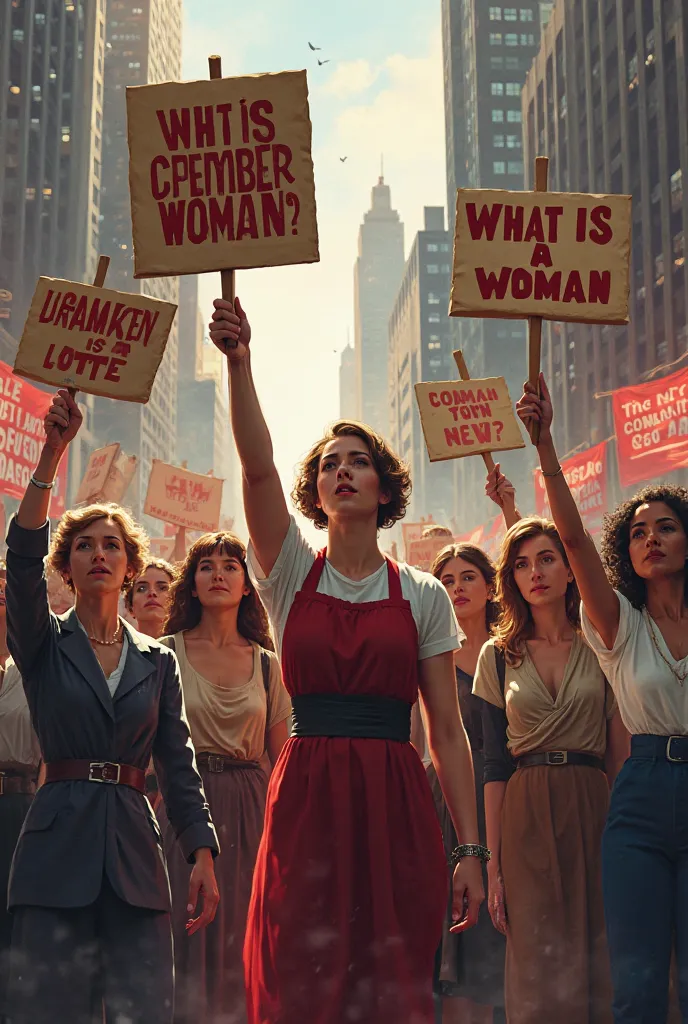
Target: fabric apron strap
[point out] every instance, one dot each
(310, 584)
(394, 580)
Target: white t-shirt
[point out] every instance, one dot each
(433, 612)
(650, 698)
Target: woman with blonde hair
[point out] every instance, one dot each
(549, 722)
(238, 713)
(88, 886)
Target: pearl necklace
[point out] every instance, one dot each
(107, 643)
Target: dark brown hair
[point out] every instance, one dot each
(476, 557)
(516, 623)
(76, 520)
(394, 475)
(186, 610)
(152, 563)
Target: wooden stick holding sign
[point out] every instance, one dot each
(98, 282)
(535, 322)
(227, 276)
(465, 375)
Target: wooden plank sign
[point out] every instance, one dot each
(95, 339)
(221, 175)
(183, 498)
(471, 417)
(421, 553)
(100, 463)
(557, 255)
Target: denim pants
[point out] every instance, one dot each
(645, 881)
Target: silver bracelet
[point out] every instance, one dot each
(41, 484)
(551, 476)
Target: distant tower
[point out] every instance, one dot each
(348, 402)
(377, 274)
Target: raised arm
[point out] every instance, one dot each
(267, 515)
(503, 493)
(599, 598)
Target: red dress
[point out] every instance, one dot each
(350, 886)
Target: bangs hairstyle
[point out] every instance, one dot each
(476, 557)
(395, 479)
(153, 563)
(186, 610)
(516, 623)
(617, 539)
(76, 520)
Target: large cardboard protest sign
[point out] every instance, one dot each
(651, 422)
(221, 174)
(586, 475)
(183, 498)
(95, 339)
(557, 255)
(421, 553)
(108, 475)
(461, 418)
(22, 411)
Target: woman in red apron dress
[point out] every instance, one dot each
(350, 885)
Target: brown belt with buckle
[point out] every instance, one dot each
(15, 782)
(96, 771)
(558, 757)
(221, 762)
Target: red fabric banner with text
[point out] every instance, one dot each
(586, 475)
(651, 422)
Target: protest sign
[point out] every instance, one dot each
(586, 475)
(22, 411)
(221, 175)
(183, 498)
(421, 553)
(161, 547)
(95, 339)
(557, 255)
(409, 533)
(97, 472)
(471, 417)
(651, 422)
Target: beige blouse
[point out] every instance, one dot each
(18, 741)
(537, 722)
(231, 720)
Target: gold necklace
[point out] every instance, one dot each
(680, 677)
(107, 643)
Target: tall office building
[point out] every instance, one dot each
(487, 52)
(377, 273)
(191, 328)
(607, 102)
(144, 45)
(348, 401)
(420, 350)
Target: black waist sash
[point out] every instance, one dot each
(351, 715)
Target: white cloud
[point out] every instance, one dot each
(350, 78)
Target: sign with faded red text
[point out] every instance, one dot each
(98, 340)
(557, 255)
(461, 418)
(22, 411)
(97, 471)
(421, 553)
(221, 174)
(651, 423)
(586, 475)
(184, 498)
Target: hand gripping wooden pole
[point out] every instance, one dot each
(227, 276)
(535, 322)
(465, 375)
(98, 282)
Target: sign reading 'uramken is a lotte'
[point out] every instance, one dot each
(557, 255)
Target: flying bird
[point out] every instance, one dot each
(321, 62)
(315, 47)
(343, 159)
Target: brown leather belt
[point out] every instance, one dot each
(96, 771)
(221, 762)
(11, 783)
(559, 757)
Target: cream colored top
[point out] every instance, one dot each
(18, 741)
(231, 720)
(537, 722)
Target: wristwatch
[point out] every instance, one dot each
(469, 850)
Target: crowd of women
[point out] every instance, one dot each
(377, 795)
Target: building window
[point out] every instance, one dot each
(513, 116)
(446, 269)
(498, 116)
(676, 190)
(511, 39)
(510, 14)
(496, 63)
(40, 18)
(433, 268)
(515, 167)
(445, 247)
(526, 14)
(433, 300)
(495, 38)
(434, 318)
(513, 142)
(499, 167)
(495, 13)
(497, 88)
(18, 35)
(513, 89)
(527, 39)
(498, 141)
(513, 64)
(432, 247)
(435, 344)
(134, 64)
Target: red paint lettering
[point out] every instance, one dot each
(535, 232)
(521, 284)
(65, 358)
(600, 215)
(281, 163)
(179, 129)
(553, 213)
(172, 221)
(180, 173)
(573, 291)
(485, 223)
(204, 126)
(221, 218)
(258, 110)
(113, 369)
(490, 285)
(197, 226)
(79, 315)
(158, 190)
(482, 432)
(547, 287)
(434, 400)
(97, 317)
(48, 363)
(541, 254)
(246, 178)
(272, 210)
(513, 223)
(247, 225)
(600, 286)
(66, 307)
(581, 223)
(195, 175)
(223, 110)
(46, 314)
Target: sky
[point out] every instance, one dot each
(381, 94)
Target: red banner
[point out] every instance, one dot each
(22, 411)
(651, 422)
(586, 475)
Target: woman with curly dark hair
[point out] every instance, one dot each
(350, 886)
(238, 713)
(635, 617)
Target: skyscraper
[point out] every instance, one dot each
(487, 52)
(348, 399)
(377, 273)
(143, 46)
(606, 101)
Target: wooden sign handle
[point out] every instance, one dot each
(535, 322)
(98, 282)
(226, 276)
(465, 375)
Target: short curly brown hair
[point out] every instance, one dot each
(393, 472)
(616, 538)
(75, 520)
